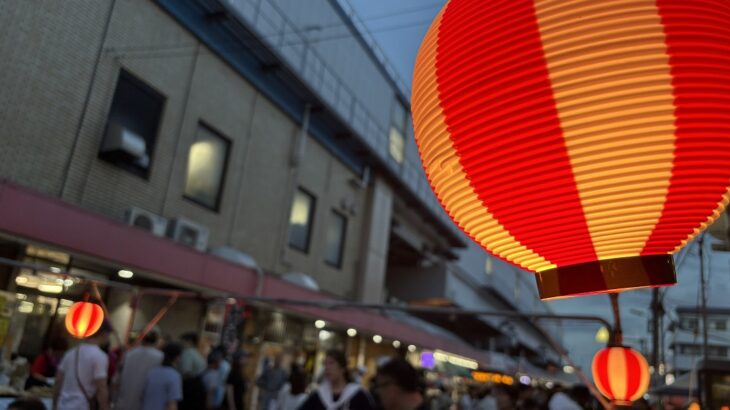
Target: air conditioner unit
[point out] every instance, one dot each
(188, 233)
(146, 220)
(119, 139)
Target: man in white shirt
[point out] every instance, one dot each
(138, 362)
(82, 375)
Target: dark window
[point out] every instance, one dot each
(398, 126)
(207, 162)
(131, 129)
(720, 324)
(335, 239)
(689, 349)
(301, 220)
(688, 323)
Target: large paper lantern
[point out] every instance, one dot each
(621, 374)
(585, 141)
(83, 319)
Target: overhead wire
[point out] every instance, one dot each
(185, 49)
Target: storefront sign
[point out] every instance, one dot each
(497, 378)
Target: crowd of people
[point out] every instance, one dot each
(176, 376)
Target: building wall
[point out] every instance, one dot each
(47, 78)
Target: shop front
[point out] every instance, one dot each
(53, 254)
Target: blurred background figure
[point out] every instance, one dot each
(45, 364)
(236, 382)
(136, 364)
(337, 391)
(293, 394)
(270, 382)
(398, 386)
(163, 384)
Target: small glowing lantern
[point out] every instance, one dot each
(585, 141)
(621, 374)
(84, 319)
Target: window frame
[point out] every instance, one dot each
(153, 92)
(343, 240)
(219, 196)
(310, 219)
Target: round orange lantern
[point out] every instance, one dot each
(621, 374)
(585, 141)
(84, 319)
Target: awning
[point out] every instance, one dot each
(30, 215)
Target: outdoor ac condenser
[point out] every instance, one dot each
(146, 220)
(188, 233)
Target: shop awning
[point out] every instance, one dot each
(36, 217)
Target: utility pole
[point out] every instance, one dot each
(655, 312)
(704, 297)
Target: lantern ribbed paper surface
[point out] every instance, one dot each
(585, 141)
(621, 374)
(84, 319)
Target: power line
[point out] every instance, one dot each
(309, 41)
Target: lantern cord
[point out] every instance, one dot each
(618, 334)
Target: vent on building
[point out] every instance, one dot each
(188, 233)
(146, 220)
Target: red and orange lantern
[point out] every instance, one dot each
(84, 319)
(584, 141)
(621, 374)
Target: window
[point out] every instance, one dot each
(335, 239)
(131, 129)
(688, 323)
(398, 126)
(207, 162)
(301, 219)
(719, 325)
(689, 349)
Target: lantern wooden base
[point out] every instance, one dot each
(605, 276)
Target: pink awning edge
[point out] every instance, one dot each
(37, 217)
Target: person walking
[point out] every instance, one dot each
(336, 391)
(136, 364)
(293, 393)
(191, 367)
(163, 384)
(236, 382)
(192, 362)
(270, 382)
(81, 379)
(213, 381)
(398, 386)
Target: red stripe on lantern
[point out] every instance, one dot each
(603, 369)
(633, 374)
(499, 108)
(698, 43)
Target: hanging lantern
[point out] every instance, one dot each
(621, 374)
(84, 319)
(585, 141)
